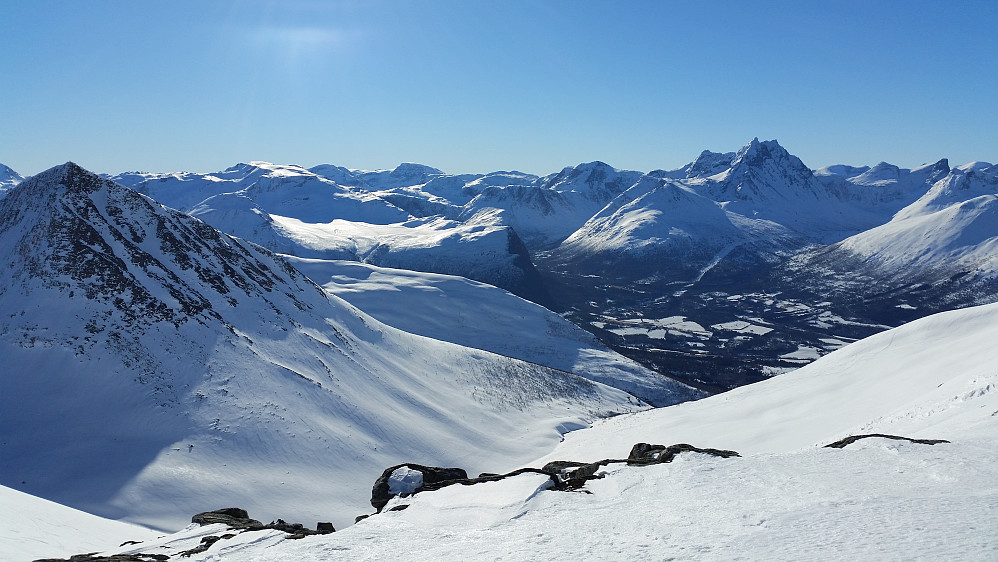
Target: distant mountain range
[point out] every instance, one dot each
(727, 270)
(800, 261)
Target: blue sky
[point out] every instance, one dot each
(478, 86)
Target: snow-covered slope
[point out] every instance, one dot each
(165, 368)
(481, 316)
(32, 528)
(785, 498)
(660, 228)
(491, 254)
(934, 377)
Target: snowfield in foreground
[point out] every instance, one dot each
(31, 527)
(784, 498)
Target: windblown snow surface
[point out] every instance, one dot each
(785, 498)
(31, 527)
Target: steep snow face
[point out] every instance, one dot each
(542, 216)
(473, 314)
(181, 369)
(962, 236)
(654, 215)
(595, 181)
(8, 179)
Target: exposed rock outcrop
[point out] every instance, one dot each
(401, 480)
(841, 443)
(417, 478)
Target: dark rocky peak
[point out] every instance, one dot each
(71, 177)
(757, 154)
(66, 185)
(929, 174)
(940, 168)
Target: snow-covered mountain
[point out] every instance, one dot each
(943, 245)
(551, 208)
(291, 210)
(165, 368)
(8, 179)
(32, 528)
(785, 497)
(660, 228)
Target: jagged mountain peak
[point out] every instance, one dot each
(760, 172)
(64, 178)
(756, 154)
(939, 167)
